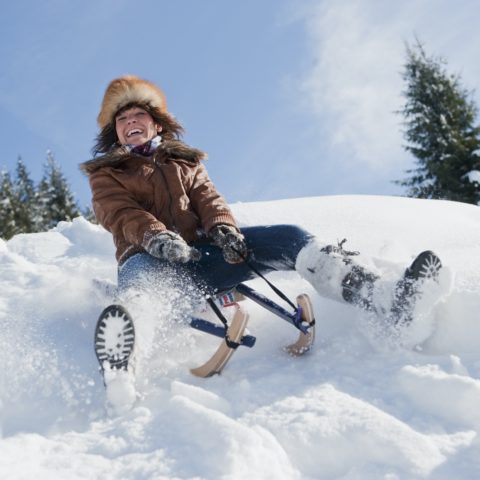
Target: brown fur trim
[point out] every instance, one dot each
(168, 150)
(129, 89)
(177, 150)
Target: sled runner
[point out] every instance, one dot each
(233, 336)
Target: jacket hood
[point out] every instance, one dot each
(166, 151)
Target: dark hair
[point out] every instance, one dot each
(107, 138)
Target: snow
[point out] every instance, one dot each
(360, 405)
(473, 176)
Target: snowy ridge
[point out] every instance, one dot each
(359, 406)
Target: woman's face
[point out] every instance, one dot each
(135, 126)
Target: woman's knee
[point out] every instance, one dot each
(296, 233)
(289, 232)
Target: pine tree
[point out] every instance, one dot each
(25, 205)
(8, 228)
(55, 200)
(440, 130)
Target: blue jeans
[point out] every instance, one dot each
(271, 248)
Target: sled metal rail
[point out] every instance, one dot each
(219, 331)
(293, 318)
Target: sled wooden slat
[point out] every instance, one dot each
(223, 354)
(305, 340)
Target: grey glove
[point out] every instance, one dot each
(231, 241)
(171, 247)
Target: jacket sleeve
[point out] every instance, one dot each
(209, 203)
(119, 212)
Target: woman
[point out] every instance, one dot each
(153, 193)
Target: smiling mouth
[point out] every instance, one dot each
(136, 131)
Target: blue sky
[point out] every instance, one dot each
(290, 98)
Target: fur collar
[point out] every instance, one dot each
(168, 150)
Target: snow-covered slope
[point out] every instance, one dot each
(359, 406)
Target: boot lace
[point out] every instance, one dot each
(338, 249)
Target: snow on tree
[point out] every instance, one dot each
(25, 207)
(28, 208)
(441, 131)
(55, 199)
(8, 227)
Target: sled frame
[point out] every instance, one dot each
(301, 318)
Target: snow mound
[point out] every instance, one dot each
(366, 402)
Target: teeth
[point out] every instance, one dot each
(132, 132)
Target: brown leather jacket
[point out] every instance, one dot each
(135, 197)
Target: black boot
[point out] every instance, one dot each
(425, 267)
(334, 273)
(358, 287)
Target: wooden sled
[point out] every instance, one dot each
(234, 336)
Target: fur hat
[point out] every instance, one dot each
(129, 89)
